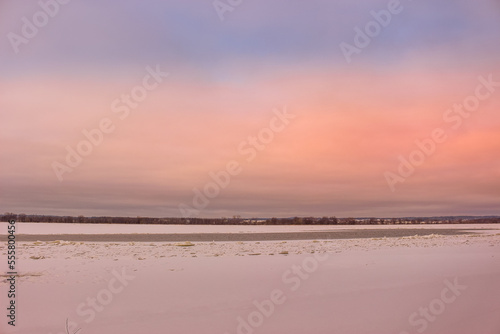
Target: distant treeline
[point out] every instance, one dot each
(236, 220)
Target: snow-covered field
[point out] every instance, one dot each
(54, 228)
(427, 284)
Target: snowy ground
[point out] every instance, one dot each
(428, 284)
(54, 228)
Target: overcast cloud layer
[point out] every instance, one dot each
(352, 120)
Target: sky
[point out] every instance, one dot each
(254, 108)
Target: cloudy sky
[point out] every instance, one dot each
(345, 108)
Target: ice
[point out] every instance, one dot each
(328, 286)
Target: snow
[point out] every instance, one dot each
(328, 286)
(58, 228)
